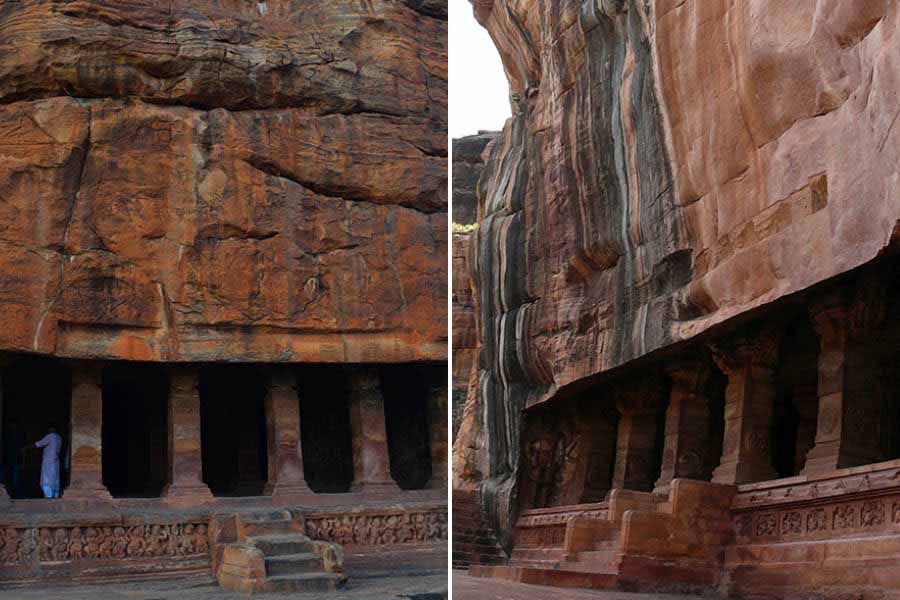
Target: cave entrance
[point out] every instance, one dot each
(325, 432)
(233, 430)
(407, 391)
(796, 401)
(34, 396)
(135, 430)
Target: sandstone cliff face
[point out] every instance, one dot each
(671, 165)
(468, 163)
(223, 179)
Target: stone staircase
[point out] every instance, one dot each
(645, 542)
(272, 554)
(473, 542)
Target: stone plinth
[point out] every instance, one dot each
(86, 475)
(185, 456)
(687, 423)
(371, 459)
(286, 477)
(749, 363)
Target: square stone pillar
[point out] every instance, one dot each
(185, 456)
(4, 496)
(438, 402)
(286, 477)
(687, 424)
(849, 391)
(371, 459)
(749, 363)
(638, 406)
(86, 475)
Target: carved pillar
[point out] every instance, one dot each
(185, 456)
(638, 407)
(687, 423)
(286, 476)
(86, 475)
(371, 460)
(849, 391)
(597, 425)
(749, 363)
(806, 402)
(438, 422)
(4, 496)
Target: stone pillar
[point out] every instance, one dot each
(371, 460)
(4, 496)
(687, 423)
(749, 363)
(806, 402)
(286, 478)
(185, 456)
(86, 475)
(438, 421)
(849, 390)
(638, 407)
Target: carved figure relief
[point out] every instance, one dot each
(13, 548)
(766, 525)
(872, 514)
(60, 544)
(844, 517)
(816, 520)
(791, 523)
(551, 455)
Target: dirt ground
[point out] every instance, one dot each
(431, 587)
(476, 588)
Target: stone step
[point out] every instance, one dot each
(598, 557)
(305, 582)
(287, 564)
(278, 522)
(548, 577)
(281, 545)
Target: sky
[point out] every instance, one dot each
(479, 93)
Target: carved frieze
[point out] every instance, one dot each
(370, 529)
(103, 542)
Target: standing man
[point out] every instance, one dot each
(51, 443)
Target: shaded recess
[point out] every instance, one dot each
(35, 395)
(233, 430)
(406, 389)
(135, 429)
(325, 434)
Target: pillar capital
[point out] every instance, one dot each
(689, 373)
(758, 348)
(642, 397)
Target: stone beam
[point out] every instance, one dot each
(86, 423)
(749, 363)
(371, 459)
(185, 483)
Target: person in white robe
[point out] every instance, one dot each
(51, 443)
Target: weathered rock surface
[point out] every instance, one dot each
(670, 165)
(214, 179)
(468, 163)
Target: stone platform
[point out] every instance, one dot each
(466, 587)
(125, 540)
(430, 587)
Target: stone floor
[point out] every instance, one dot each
(477, 588)
(431, 587)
